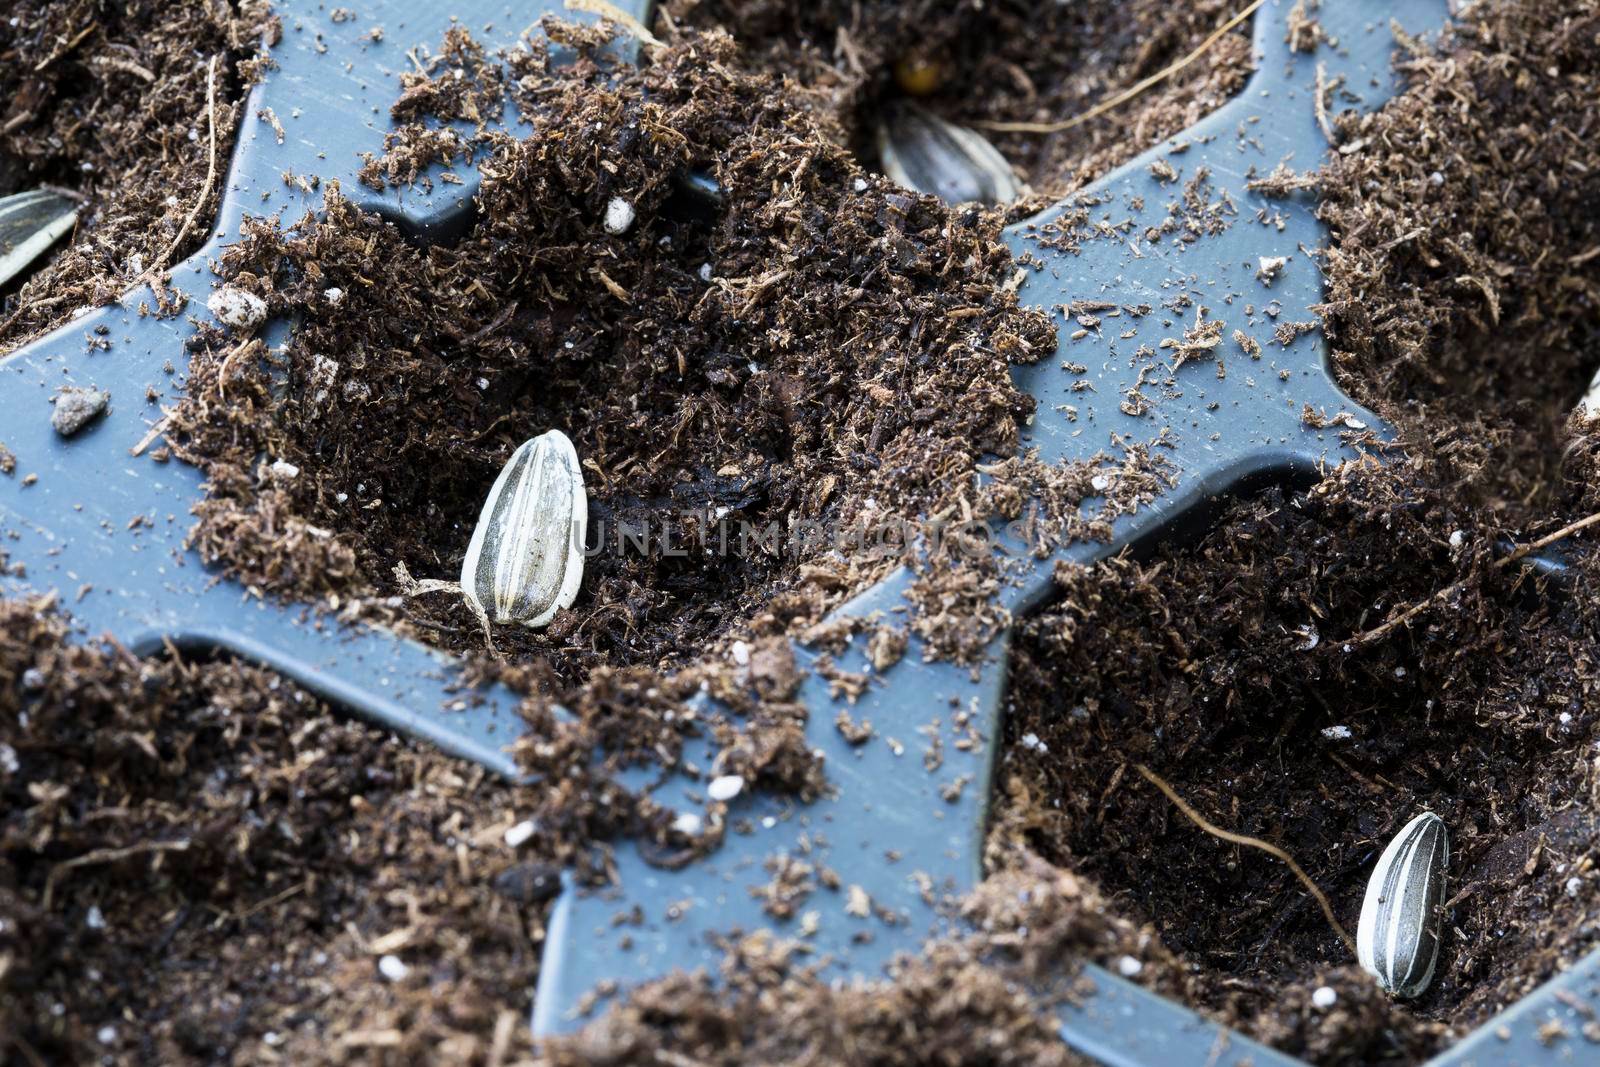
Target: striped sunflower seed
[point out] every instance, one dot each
(1590, 404)
(525, 561)
(31, 222)
(1397, 940)
(923, 152)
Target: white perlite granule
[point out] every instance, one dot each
(619, 216)
(238, 309)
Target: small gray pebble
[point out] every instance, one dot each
(33, 680)
(77, 407)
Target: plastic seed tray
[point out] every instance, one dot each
(71, 530)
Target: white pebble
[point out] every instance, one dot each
(107, 1035)
(1031, 742)
(705, 272)
(1099, 483)
(520, 833)
(334, 295)
(1324, 997)
(741, 653)
(1573, 885)
(725, 788)
(96, 919)
(8, 759)
(1127, 966)
(860, 185)
(619, 215)
(1336, 733)
(238, 309)
(393, 968)
(284, 470)
(688, 823)
(1458, 538)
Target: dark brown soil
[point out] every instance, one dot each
(253, 858)
(977, 61)
(1253, 672)
(199, 863)
(756, 370)
(1234, 671)
(1463, 299)
(108, 101)
(742, 372)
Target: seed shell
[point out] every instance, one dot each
(31, 222)
(525, 560)
(1397, 939)
(921, 151)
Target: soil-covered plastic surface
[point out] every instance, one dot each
(199, 862)
(824, 360)
(1259, 673)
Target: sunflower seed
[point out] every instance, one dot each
(525, 561)
(923, 152)
(1590, 404)
(1397, 939)
(30, 223)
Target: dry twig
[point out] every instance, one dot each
(607, 10)
(1322, 103)
(1520, 552)
(106, 855)
(157, 428)
(1127, 94)
(211, 171)
(67, 47)
(1253, 842)
(127, 66)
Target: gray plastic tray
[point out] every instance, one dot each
(331, 89)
